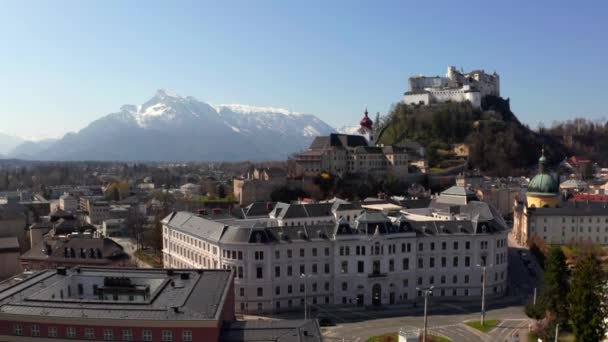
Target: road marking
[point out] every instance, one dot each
(454, 307)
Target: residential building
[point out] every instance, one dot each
(371, 259)
(341, 154)
(190, 189)
(257, 185)
(114, 227)
(9, 257)
(74, 249)
(117, 304)
(68, 203)
(13, 223)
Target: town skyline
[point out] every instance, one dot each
(80, 67)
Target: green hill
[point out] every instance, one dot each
(499, 144)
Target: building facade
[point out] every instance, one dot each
(547, 215)
(341, 154)
(456, 86)
(373, 260)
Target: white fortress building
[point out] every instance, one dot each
(456, 86)
(342, 254)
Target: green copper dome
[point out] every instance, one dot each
(543, 183)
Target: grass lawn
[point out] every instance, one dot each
(149, 257)
(394, 337)
(490, 324)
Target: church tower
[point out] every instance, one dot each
(367, 128)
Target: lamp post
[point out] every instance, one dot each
(304, 276)
(483, 294)
(426, 292)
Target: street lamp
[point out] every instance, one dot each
(483, 294)
(426, 292)
(306, 314)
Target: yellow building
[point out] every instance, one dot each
(543, 192)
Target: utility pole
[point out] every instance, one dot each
(426, 292)
(483, 294)
(556, 331)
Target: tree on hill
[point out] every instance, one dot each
(555, 286)
(499, 144)
(587, 300)
(117, 189)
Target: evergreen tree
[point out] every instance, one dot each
(587, 300)
(555, 287)
(116, 194)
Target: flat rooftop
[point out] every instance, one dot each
(272, 331)
(118, 293)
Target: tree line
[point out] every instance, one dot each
(576, 298)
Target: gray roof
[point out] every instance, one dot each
(76, 250)
(196, 296)
(9, 244)
(574, 183)
(458, 191)
(483, 218)
(573, 208)
(291, 211)
(272, 331)
(194, 225)
(338, 140)
(11, 211)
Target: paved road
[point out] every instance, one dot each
(449, 325)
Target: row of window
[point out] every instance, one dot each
(442, 279)
(108, 334)
(191, 241)
(232, 254)
(359, 300)
(573, 229)
(277, 290)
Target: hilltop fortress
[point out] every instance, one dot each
(456, 86)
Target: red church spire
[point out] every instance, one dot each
(366, 122)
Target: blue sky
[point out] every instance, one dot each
(66, 63)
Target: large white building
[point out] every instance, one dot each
(341, 254)
(456, 86)
(342, 153)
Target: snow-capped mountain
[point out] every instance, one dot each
(170, 127)
(353, 130)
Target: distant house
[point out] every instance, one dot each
(68, 203)
(113, 227)
(13, 223)
(71, 251)
(9, 257)
(258, 184)
(190, 189)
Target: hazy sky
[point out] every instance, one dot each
(66, 63)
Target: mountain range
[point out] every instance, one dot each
(169, 127)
